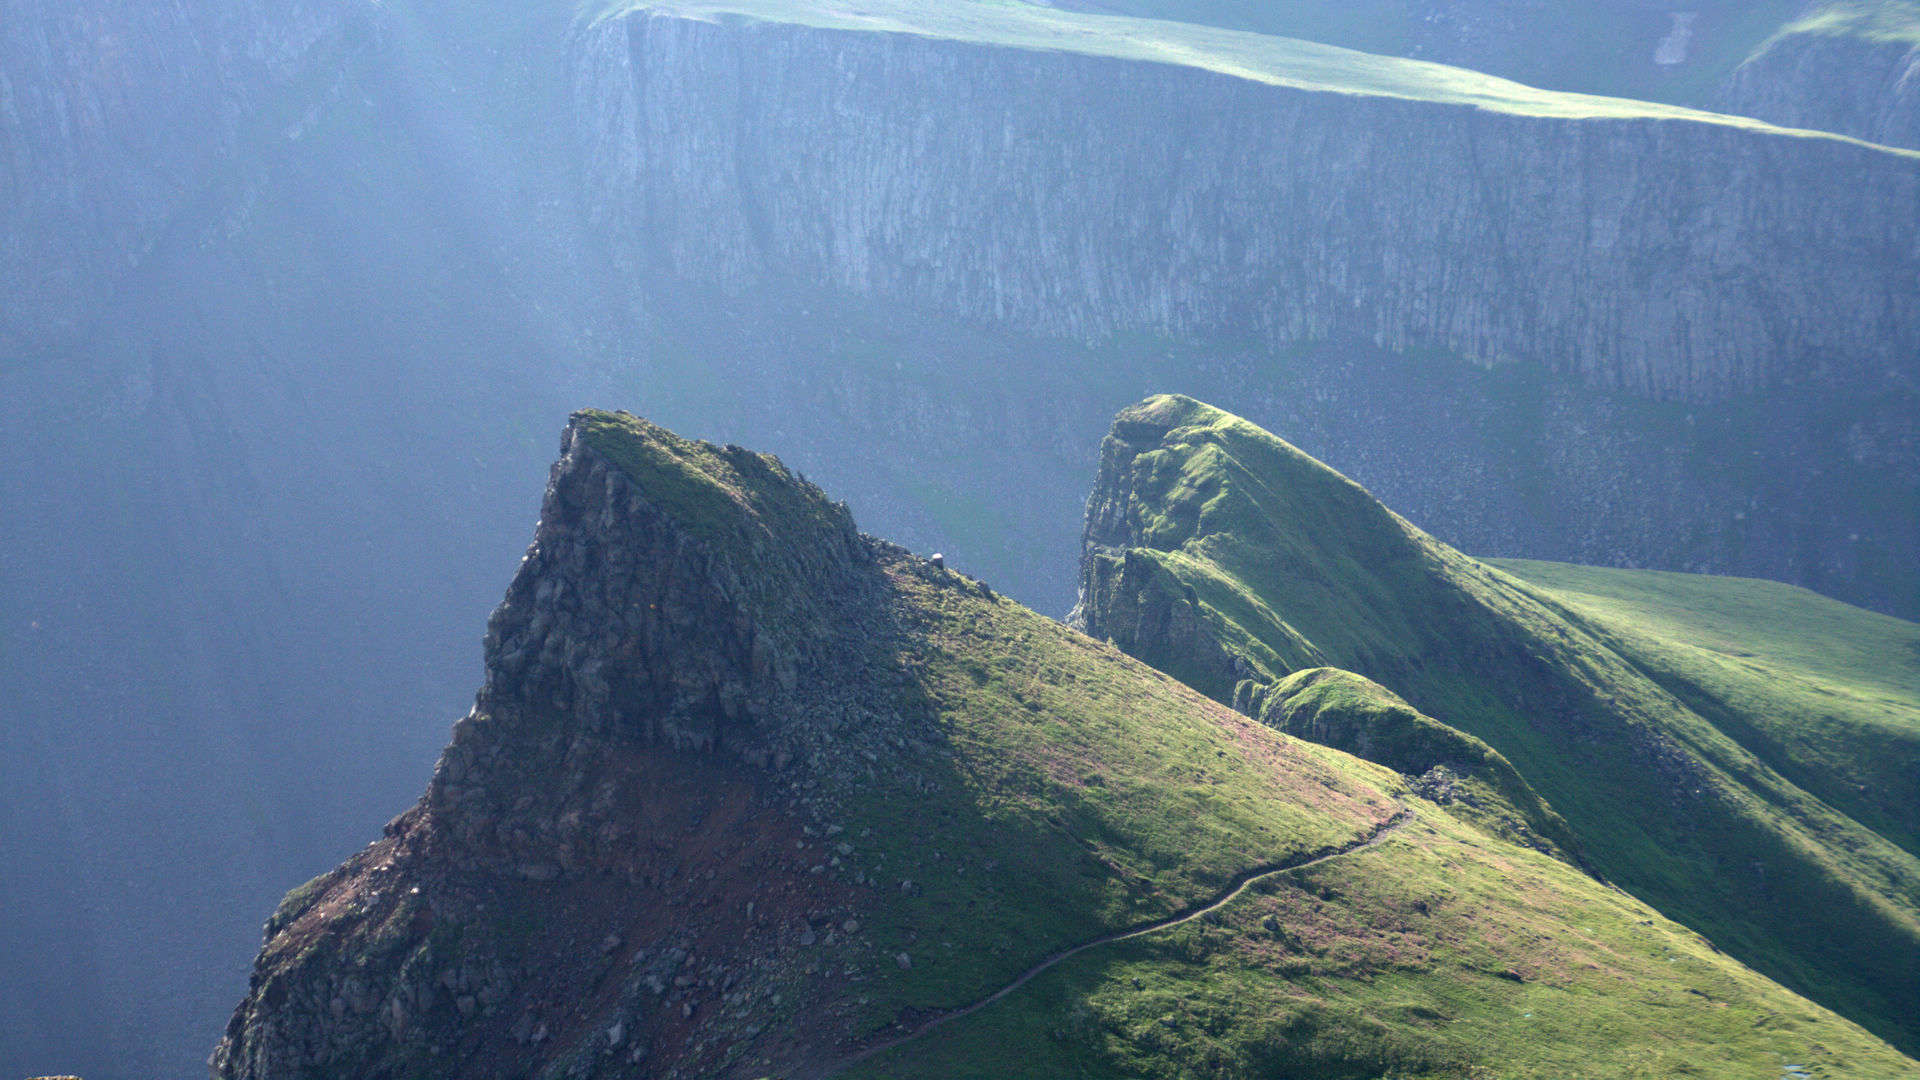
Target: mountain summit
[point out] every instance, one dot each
(750, 794)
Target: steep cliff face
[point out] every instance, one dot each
(1673, 257)
(114, 118)
(619, 619)
(1857, 85)
(648, 650)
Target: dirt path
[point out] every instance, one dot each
(1233, 892)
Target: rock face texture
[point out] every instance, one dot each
(1676, 259)
(115, 117)
(619, 622)
(609, 873)
(1833, 82)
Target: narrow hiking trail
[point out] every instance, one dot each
(1233, 892)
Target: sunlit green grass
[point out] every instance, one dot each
(1440, 953)
(1702, 781)
(1075, 792)
(1827, 693)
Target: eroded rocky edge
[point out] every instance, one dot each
(653, 766)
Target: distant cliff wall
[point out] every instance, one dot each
(115, 116)
(1092, 198)
(1833, 82)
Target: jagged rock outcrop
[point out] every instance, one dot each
(644, 766)
(624, 623)
(1681, 258)
(1854, 84)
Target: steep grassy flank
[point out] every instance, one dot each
(1663, 794)
(1278, 61)
(1440, 953)
(1058, 790)
(1353, 713)
(1825, 693)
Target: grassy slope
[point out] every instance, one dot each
(1441, 952)
(1662, 799)
(1070, 791)
(1827, 694)
(1051, 789)
(1278, 61)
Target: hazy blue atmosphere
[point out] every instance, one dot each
(297, 298)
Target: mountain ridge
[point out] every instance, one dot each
(656, 848)
(1200, 509)
(343, 213)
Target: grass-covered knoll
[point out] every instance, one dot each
(1277, 61)
(1664, 795)
(1442, 952)
(1353, 713)
(1826, 693)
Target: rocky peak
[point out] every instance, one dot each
(681, 676)
(672, 589)
(678, 596)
